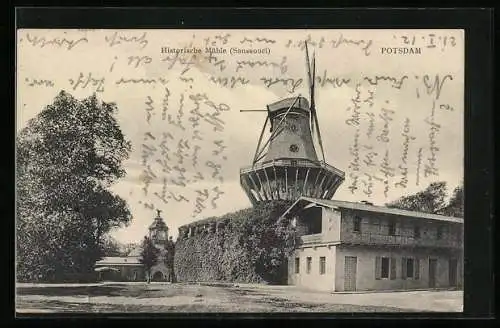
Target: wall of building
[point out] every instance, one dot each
(125, 273)
(331, 225)
(366, 278)
(313, 280)
(338, 229)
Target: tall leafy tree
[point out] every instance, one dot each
(112, 247)
(431, 200)
(455, 205)
(149, 256)
(67, 158)
(270, 240)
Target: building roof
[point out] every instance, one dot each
(303, 201)
(119, 260)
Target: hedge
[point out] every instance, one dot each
(250, 245)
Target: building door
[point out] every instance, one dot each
(432, 272)
(452, 272)
(350, 268)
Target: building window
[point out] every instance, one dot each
(297, 265)
(322, 265)
(357, 224)
(385, 268)
(308, 264)
(392, 228)
(416, 232)
(410, 268)
(313, 221)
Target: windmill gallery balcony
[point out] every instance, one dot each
(290, 178)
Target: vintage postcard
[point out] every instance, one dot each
(239, 170)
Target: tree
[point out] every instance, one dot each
(67, 158)
(455, 205)
(126, 249)
(169, 258)
(149, 256)
(430, 200)
(112, 247)
(433, 200)
(270, 240)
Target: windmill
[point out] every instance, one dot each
(286, 165)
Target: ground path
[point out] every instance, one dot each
(158, 297)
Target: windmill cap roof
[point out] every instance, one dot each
(284, 104)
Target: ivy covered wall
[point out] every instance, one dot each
(251, 245)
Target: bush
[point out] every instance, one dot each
(251, 245)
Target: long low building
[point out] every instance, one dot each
(125, 268)
(348, 246)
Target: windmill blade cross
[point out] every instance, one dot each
(314, 125)
(313, 77)
(310, 82)
(308, 66)
(311, 70)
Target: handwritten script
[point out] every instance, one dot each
(383, 119)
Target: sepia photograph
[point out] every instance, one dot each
(239, 170)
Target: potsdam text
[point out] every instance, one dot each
(400, 51)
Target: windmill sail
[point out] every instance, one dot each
(311, 73)
(311, 92)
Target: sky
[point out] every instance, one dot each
(365, 84)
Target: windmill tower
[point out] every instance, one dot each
(286, 165)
